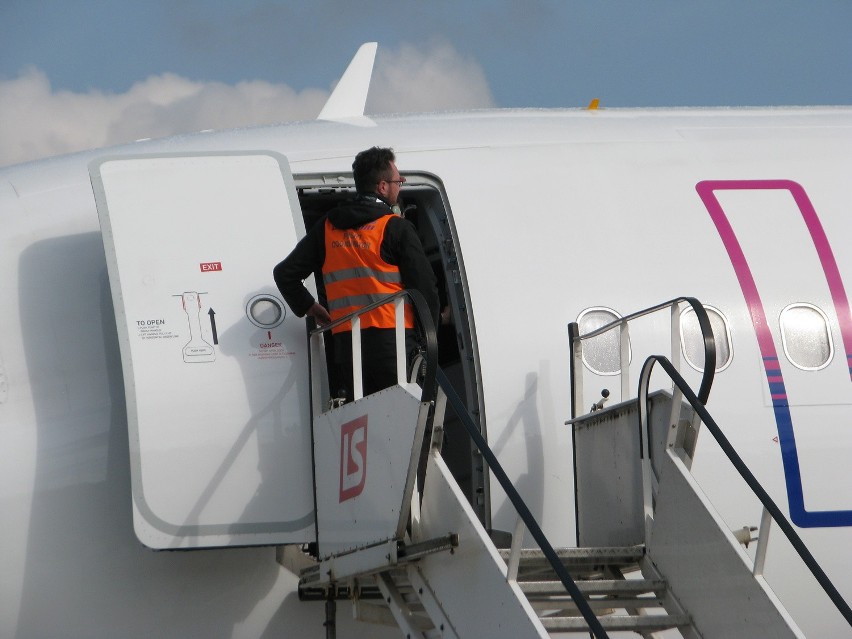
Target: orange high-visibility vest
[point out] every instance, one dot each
(356, 275)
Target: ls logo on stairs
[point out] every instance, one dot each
(353, 458)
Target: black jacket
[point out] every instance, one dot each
(400, 247)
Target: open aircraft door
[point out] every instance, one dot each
(215, 368)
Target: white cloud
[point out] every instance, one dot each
(439, 79)
(37, 121)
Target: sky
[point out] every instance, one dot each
(79, 74)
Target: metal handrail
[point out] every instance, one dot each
(428, 385)
(521, 508)
(768, 504)
(575, 341)
(423, 317)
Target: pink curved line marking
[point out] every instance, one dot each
(783, 418)
(738, 260)
(820, 240)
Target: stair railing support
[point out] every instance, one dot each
(515, 553)
(624, 360)
(675, 434)
(357, 371)
(575, 341)
(762, 542)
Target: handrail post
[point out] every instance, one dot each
(762, 542)
(645, 453)
(515, 552)
(677, 396)
(357, 375)
(399, 310)
(675, 335)
(575, 373)
(316, 374)
(575, 347)
(624, 359)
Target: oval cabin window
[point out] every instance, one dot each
(601, 353)
(692, 343)
(806, 336)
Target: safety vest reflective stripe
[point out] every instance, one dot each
(350, 273)
(354, 301)
(355, 275)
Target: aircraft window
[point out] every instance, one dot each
(692, 342)
(806, 336)
(600, 354)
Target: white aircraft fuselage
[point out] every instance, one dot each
(551, 213)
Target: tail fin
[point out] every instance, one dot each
(350, 95)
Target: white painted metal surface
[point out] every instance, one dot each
(707, 570)
(611, 507)
(363, 452)
(471, 585)
(4, 384)
(215, 370)
(609, 479)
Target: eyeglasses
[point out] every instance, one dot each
(398, 182)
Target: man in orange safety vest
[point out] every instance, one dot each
(364, 251)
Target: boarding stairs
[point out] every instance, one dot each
(611, 580)
(654, 559)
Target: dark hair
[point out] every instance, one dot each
(371, 167)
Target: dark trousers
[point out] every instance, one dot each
(378, 360)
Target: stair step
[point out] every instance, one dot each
(581, 559)
(597, 587)
(565, 605)
(646, 623)
(604, 596)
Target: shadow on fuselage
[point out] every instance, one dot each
(84, 573)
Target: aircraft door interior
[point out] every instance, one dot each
(423, 203)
